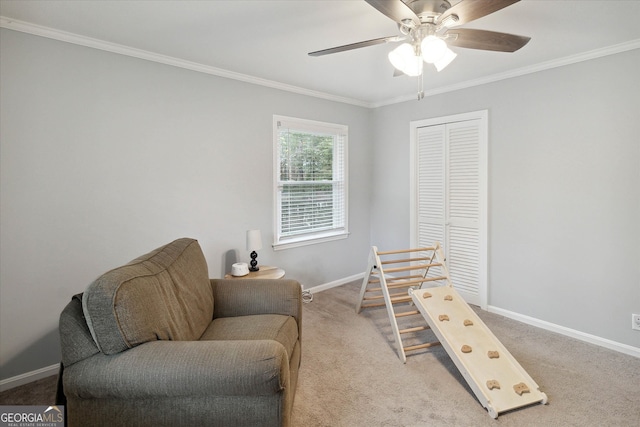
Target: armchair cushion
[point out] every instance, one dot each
(163, 295)
(181, 368)
(276, 327)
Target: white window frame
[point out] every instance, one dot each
(341, 229)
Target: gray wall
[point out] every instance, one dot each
(105, 157)
(564, 190)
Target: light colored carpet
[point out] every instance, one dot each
(351, 375)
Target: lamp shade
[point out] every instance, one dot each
(433, 49)
(254, 240)
(398, 56)
(404, 59)
(449, 56)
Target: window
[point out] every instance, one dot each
(310, 180)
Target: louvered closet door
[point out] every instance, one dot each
(450, 206)
(431, 187)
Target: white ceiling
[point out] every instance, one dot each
(267, 41)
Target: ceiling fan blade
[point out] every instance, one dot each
(358, 45)
(485, 40)
(469, 10)
(395, 9)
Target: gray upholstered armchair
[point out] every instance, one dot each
(144, 346)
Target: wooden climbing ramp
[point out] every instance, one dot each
(494, 375)
(415, 283)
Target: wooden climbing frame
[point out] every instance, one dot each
(389, 276)
(415, 284)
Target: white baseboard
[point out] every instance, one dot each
(336, 283)
(582, 336)
(28, 377)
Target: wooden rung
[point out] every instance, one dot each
(404, 251)
(401, 299)
(411, 267)
(397, 261)
(419, 346)
(398, 278)
(407, 283)
(373, 304)
(399, 295)
(392, 286)
(433, 279)
(404, 284)
(417, 281)
(394, 297)
(397, 285)
(407, 313)
(416, 329)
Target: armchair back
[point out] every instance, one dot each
(163, 295)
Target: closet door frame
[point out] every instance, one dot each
(483, 185)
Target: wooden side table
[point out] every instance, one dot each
(265, 272)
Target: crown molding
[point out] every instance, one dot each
(38, 30)
(561, 62)
(51, 33)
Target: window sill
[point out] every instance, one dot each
(307, 240)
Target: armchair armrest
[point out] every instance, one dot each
(242, 297)
(182, 368)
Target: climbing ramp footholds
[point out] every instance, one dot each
(494, 375)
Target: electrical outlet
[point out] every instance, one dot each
(635, 322)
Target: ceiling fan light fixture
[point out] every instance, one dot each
(433, 49)
(448, 57)
(404, 59)
(414, 66)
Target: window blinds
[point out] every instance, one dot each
(311, 179)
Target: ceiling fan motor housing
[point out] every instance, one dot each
(428, 10)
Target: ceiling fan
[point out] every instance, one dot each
(427, 27)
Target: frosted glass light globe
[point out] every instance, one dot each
(404, 59)
(433, 49)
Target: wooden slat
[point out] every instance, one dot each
(373, 304)
(407, 283)
(394, 298)
(414, 329)
(411, 267)
(404, 251)
(404, 284)
(397, 261)
(426, 279)
(419, 346)
(397, 278)
(401, 299)
(407, 313)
